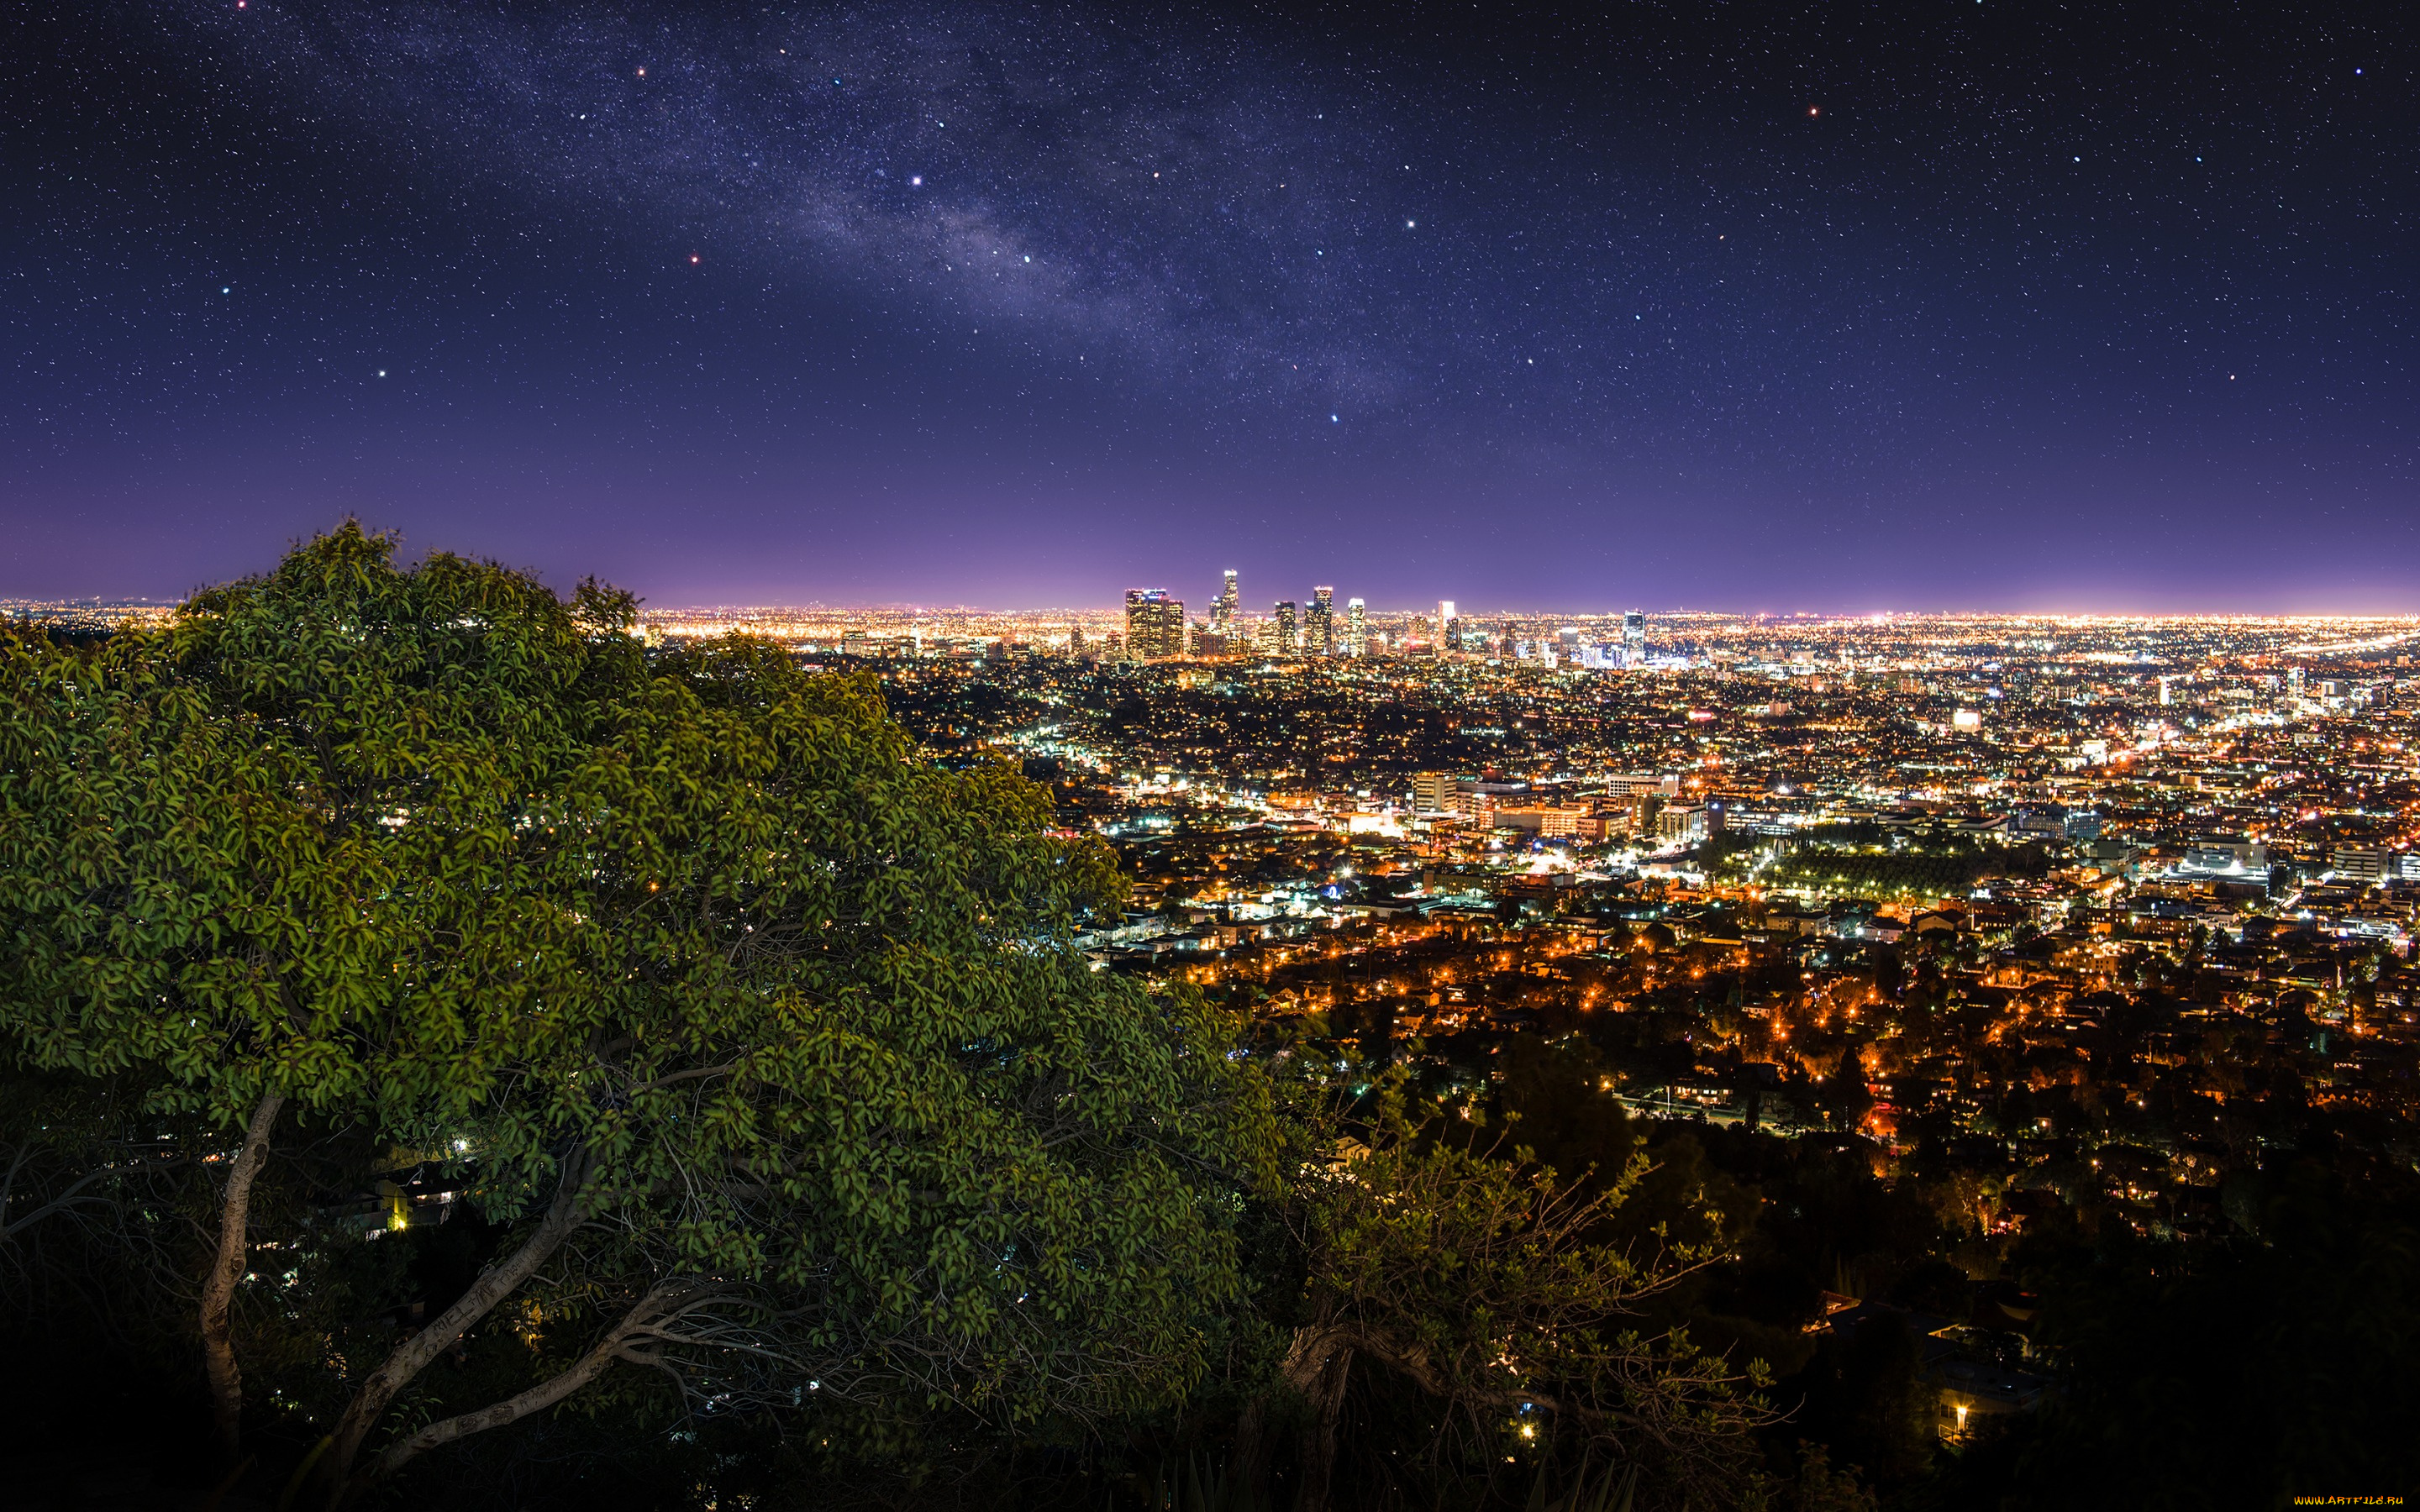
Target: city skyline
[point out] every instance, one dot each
(1108, 606)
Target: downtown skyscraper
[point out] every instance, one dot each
(1285, 635)
(1222, 609)
(1154, 625)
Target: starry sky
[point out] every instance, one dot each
(1818, 307)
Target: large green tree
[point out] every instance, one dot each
(770, 1039)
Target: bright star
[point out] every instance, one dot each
(917, 181)
(1333, 419)
(382, 372)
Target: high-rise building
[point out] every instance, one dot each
(1288, 618)
(1154, 625)
(1223, 613)
(1432, 792)
(1634, 637)
(1319, 627)
(1448, 625)
(1356, 628)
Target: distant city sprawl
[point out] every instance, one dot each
(2069, 921)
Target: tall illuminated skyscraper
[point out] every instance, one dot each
(1154, 625)
(1289, 627)
(1356, 628)
(1448, 625)
(1634, 637)
(1319, 627)
(1223, 613)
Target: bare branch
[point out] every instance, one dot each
(566, 1213)
(616, 1345)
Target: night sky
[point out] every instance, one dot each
(1817, 307)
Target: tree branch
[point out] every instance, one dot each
(618, 1345)
(218, 1292)
(499, 1281)
(64, 1200)
(689, 1075)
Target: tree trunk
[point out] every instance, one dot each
(1247, 1463)
(415, 1354)
(614, 1345)
(226, 1271)
(1318, 1366)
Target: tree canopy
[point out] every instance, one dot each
(680, 961)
